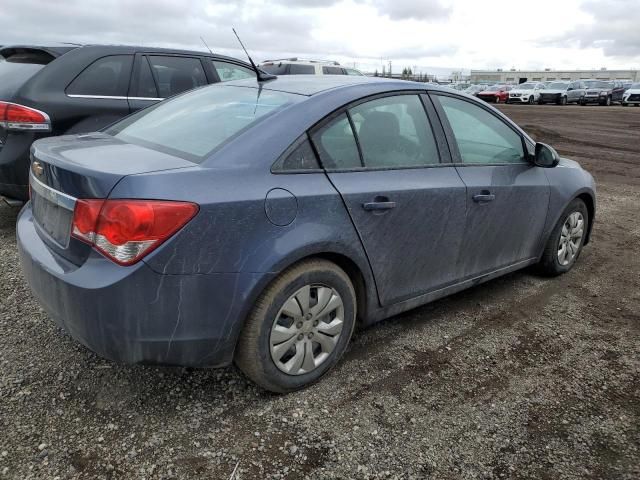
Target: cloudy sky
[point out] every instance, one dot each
(431, 35)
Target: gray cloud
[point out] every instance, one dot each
(412, 9)
(615, 29)
(278, 29)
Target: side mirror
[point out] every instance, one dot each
(545, 156)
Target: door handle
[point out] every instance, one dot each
(379, 203)
(484, 197)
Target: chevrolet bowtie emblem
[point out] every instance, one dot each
(37, 168)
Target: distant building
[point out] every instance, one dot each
(520, 76)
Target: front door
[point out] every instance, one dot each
(507, 197)
(407, 206)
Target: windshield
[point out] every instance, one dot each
(194, 124)
(558, 86)
(495, 88)
(526, 86)
(597, 84)
(635, 86)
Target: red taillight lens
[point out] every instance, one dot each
(127, 230)
(19, 117)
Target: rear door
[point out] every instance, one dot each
(98, 95)
(507, 196)
(407, 202)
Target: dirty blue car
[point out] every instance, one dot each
(258, 223)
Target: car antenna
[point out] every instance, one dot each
(205, 44)
(260, 75)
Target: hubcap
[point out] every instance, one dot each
(306, 330)
(570, 238)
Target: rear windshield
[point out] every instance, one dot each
(13, 75)
(194, 124)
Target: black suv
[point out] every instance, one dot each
(603, 93)
(55, 90)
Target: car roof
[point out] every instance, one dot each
(309, 85)
(54, 49)
(57, 49)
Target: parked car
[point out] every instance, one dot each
(474, 89)
(255, 223)
(632, 95)
(53, 90)
(495, 93)
(295, 66)
(603, 93)
(562, 93)
(528, 92)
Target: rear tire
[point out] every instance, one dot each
(566, 240)
(284, 346)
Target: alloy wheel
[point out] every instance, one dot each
(307, 329)
(570, 238)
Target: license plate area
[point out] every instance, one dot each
(52, 212)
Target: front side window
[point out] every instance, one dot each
(481, 137)
(106, 77)
(176, 74)
(337, 145)
(229, 71)
(394, 132)
(146, 84)
(193, 125)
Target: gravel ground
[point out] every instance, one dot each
(519, 378)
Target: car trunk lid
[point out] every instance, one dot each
(65, 169)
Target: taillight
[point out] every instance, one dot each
(19, 117)
(127, 230)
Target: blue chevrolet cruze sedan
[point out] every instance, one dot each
(257, 223)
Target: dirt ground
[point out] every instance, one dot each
(520, 378)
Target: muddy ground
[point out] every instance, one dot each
(523, 377)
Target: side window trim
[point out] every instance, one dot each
(444, 155)
(456, 157)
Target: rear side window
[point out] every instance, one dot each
(107, 76)
(191, 126)
(297, 69)
(300, 157)
(394, 132)
(482, 138)
(332, 71)
(176, 74)
(275, 68)
(337, 145)
(229, 71)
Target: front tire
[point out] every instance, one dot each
(299, 327)
(563, 100)
(566, 240)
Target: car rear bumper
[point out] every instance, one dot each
(134, 314)
(14, 164)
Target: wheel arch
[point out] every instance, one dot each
(589, 201)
